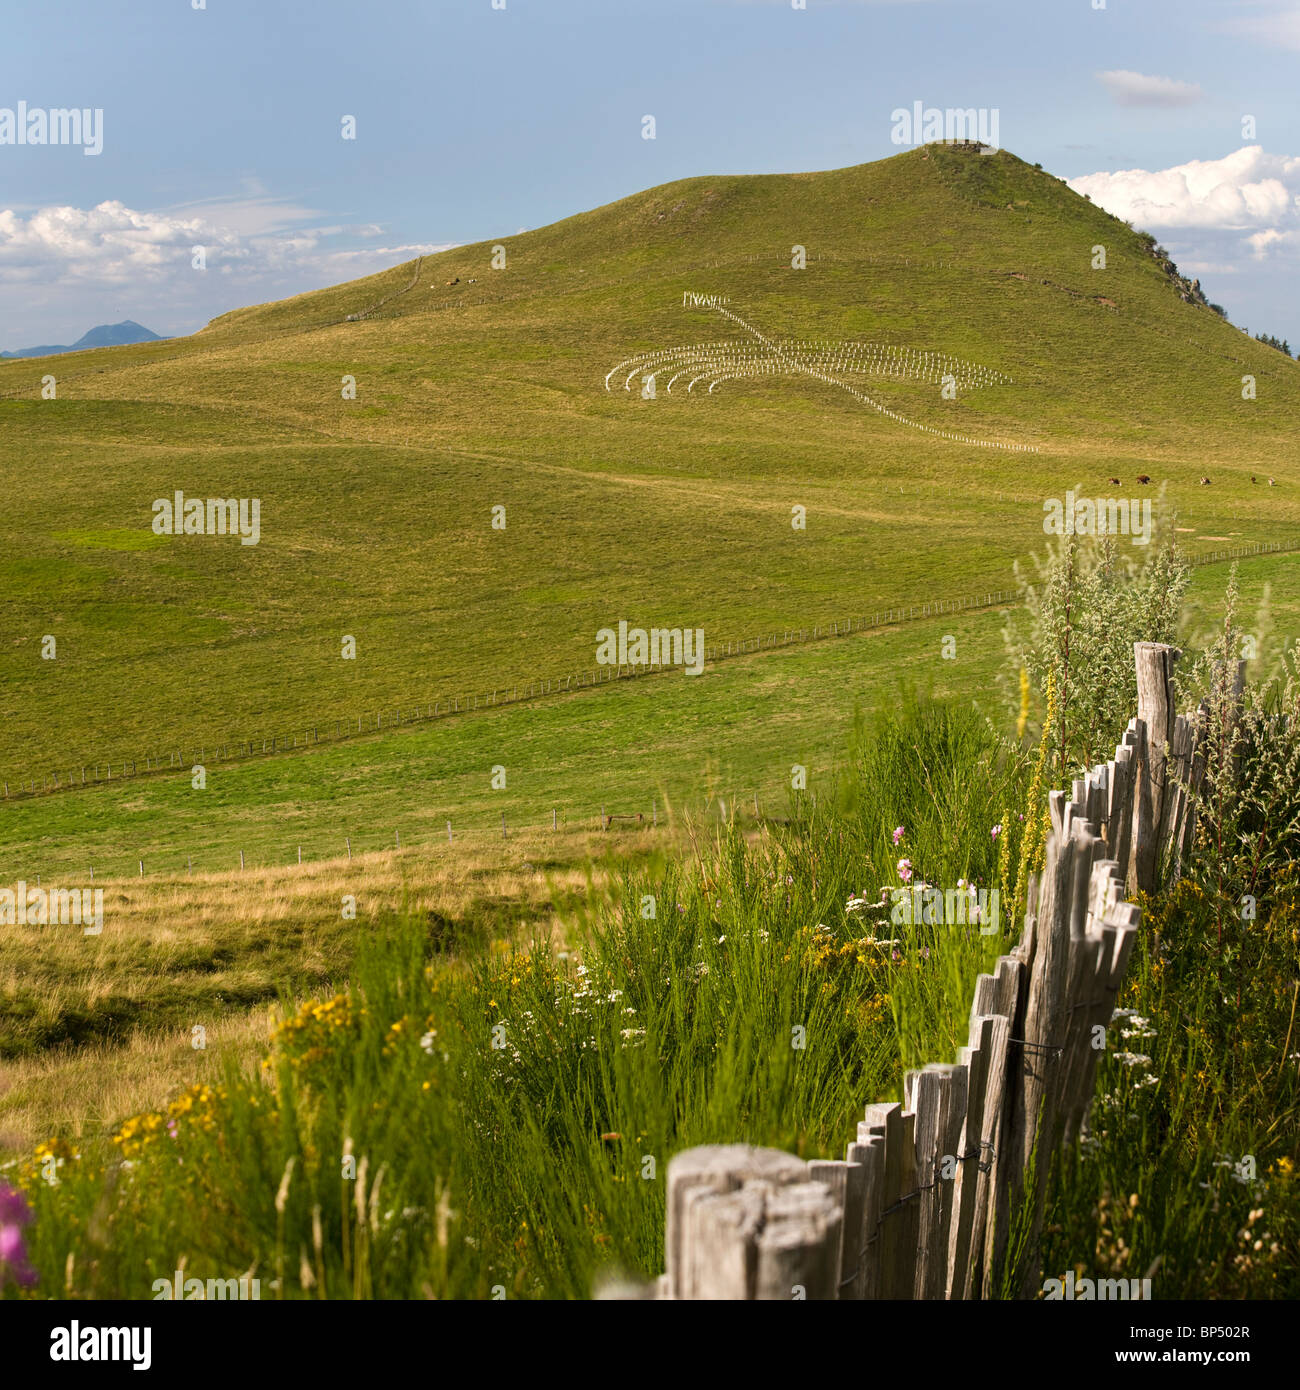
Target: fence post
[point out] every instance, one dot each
(746, 1223)
(1035, 1059)
(1155, 669)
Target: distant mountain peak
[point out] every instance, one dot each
(105, 335)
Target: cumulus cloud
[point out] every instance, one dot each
(1137, 89)
(256, 249)
(1246, 191)
(112, 242)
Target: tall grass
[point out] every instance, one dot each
(1188, 1172)
(507, 1127)
(501, 1127)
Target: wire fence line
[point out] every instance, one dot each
(180, 758)
(167, 861)
(173, 758)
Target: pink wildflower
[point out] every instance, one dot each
(14, 1215)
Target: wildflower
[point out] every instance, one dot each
(997, 830)
(721, 939)
(905, 870)
(898, 835)
(14, 1215)
(1132, 1059)
(426, 1042)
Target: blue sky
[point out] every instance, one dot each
(221, 127)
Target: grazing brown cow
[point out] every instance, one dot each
(1143, 479)
(1115, 481)
(1271, 483)
(456, 281)
(1205, 482)
(1253, 478)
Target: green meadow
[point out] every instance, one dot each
(383, 426)
(376, 511)
(672, 742)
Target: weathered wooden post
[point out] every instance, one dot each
(747, 1223)
(1155, 672)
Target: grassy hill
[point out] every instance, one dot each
(376, 511)
(376, 524)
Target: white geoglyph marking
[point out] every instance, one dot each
(735, 359)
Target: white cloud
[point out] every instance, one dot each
(112, 242)
(1208, 268)
(1137, 89)
(1246, 191)
(1278, 25)
(1273, 239)
(93, 263)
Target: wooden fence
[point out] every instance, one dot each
(932, 1191)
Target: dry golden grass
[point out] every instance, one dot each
(94, 1029)
(83, 1092)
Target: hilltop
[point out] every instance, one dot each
(480, 380)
